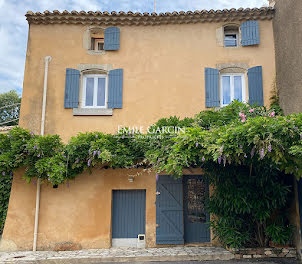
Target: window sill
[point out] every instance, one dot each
(92, 111)
(96, 52)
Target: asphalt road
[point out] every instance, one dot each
(268, 261)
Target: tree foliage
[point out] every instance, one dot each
(9, 108)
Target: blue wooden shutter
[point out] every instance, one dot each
(212, 87)
(250, 33)
(255, 85)
(169, 211)
(72, 82)
(112, 38)
(115, 87)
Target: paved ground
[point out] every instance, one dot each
(178, 255)
(255, 261)
(96, 256)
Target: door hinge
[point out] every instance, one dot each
(157, 193)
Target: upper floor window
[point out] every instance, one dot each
(95, 91)
(97, 40)
(232, 88)
(231, 36)
(97, 43)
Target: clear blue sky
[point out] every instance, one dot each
(14, 27)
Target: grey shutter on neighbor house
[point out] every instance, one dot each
(169, 211)
(250, 33)
(212, 87)
(112, 38)
(72, 82)
(115, 89)
(255, 85)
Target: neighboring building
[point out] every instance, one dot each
(288, 45)
(288, 35)
(126, 69)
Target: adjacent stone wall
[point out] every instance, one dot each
(249, 253)
(288, 46)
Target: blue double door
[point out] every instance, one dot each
(181, 214)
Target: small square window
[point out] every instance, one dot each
(231, 34)
(232, 88)
(94, 91)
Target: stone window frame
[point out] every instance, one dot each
(102, 69)
(220, 35)
(233, 68)
(87, 40)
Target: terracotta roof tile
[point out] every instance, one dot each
(130, 18)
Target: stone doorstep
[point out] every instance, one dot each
(97, 256)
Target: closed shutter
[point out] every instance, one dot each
(72, 82)
(250, 33)
(212, 87)
(169, 211)
(255, 85)
(112, 38)
(115, 87)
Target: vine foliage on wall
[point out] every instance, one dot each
(238, 135)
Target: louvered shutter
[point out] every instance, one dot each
(112, 38)
(250, 33)
(212, 87)
(115, 89)
(255, 85)
(72, 82)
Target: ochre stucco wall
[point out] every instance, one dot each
(78, 213)
(163, 76)
(163, 73)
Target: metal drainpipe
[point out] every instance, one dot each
(47, 60)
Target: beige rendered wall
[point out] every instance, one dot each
(80, 213)
(163, 76)
(163, 72)
(288, 36)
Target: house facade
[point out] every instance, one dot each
(127, 70)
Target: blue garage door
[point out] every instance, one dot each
(128, 213)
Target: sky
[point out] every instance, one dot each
(14, 27)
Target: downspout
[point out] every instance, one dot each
(47, 60)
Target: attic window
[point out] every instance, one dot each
(231, 36)
(97, 44)
(97, 39)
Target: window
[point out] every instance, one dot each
(231, 36)
(97, 44)
(95, 91)
(96, 36)
(100, 44)
(231, 88)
